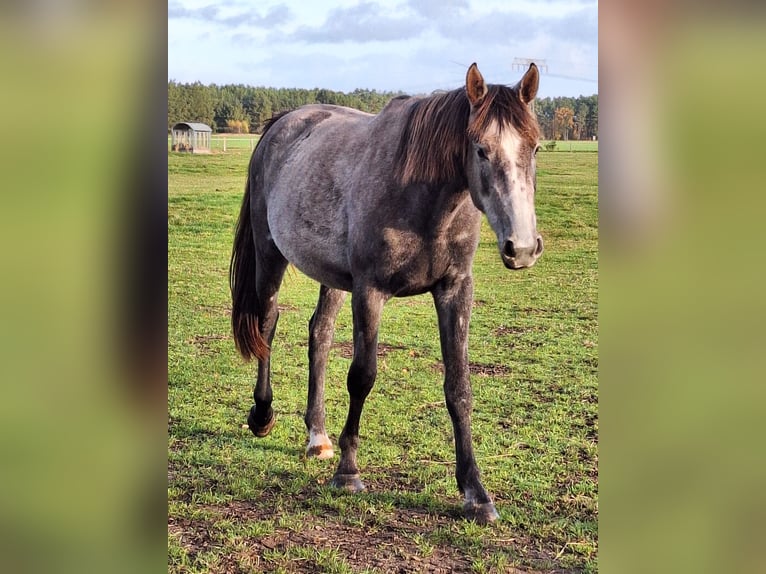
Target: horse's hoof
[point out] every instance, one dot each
(480, 513)
(320, 451)
(260, 430)
(350, 482)
(320, 446)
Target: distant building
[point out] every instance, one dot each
(191, 137)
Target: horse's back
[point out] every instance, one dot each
(295, 124)
(304, 161)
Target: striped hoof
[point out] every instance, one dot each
(260, 429)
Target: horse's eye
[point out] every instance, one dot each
(481, 153)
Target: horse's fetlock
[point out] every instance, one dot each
(347, 442)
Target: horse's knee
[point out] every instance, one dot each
(459, 402)
(363, 373)
(316, 341)
(361, 378)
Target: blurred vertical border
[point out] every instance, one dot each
(682, 385)
(83, 295)
(83, 236)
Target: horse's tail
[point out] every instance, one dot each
(244, 310)
(244, 296)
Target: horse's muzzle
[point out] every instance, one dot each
(517, 256)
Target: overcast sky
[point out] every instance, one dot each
(415, 46)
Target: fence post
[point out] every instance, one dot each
(224, 143)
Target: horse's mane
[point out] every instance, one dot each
(435, 142)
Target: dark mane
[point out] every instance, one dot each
(435, 142)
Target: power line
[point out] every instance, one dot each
(576, 78)
(521, 64)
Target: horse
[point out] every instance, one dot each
(383, 206)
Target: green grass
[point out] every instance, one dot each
(574, 145)
(237, 503)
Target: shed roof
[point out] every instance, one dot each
(193, 126)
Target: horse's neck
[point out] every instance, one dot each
(450, 204)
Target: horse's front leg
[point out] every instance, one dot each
(321, 331)
(366, 305)
(453, 298)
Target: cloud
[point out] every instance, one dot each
(492, 29)
(578, 27)
(365, 22)
(437, 9)
(403, 48)
(222, 14)
(499, 28)
(412, 45)
(177, 11)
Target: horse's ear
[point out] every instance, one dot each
(475, 87)
(527, 86)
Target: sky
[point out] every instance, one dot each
(412, 46)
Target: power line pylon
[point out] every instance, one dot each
(522, 64)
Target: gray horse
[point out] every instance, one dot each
(383, 206)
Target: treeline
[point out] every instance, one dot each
(245, 109)
(568, 118)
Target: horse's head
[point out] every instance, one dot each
(501, 163)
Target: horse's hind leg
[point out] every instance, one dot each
(321, 331)
(270, 269)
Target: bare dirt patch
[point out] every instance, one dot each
(394, 546)
(203, 342)
(481, 369)
(214, 310)
(346, 349)
(507, 330)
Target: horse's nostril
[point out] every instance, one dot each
(508, 249)
(539, 248)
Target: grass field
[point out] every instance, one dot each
(574, 145)
(236, 142)
(241, 504)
